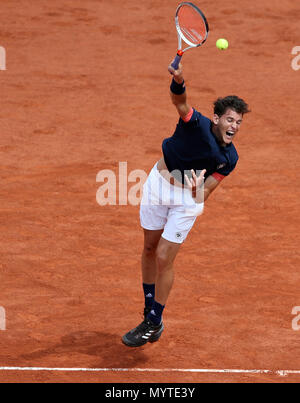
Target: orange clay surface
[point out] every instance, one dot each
(87, 87)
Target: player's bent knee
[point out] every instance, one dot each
(151, 240)
(149, 250)
(162, 262)
(163, 259)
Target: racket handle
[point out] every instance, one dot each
(177, 60)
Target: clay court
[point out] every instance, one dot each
(86, 86)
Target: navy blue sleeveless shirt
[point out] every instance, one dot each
(194, 146)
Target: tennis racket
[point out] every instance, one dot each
(192, 28)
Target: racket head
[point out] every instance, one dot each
(191, 24)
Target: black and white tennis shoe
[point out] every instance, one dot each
(146, 332)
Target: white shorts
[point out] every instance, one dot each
(168, 207)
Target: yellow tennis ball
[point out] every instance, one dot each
(222, 44)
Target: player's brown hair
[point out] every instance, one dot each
(233, 102)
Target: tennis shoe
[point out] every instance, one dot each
(146, 332)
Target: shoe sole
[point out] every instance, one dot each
(152, 339)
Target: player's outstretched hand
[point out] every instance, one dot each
(195, 184)
(178, 74)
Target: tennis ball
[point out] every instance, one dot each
(222, 44)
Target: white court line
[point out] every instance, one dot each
(203, 371)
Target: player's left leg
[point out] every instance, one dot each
(151, 240)
(171, 220)
(166, 253)
(152, 327)
(176, 230)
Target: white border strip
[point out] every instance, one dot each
(203, 371)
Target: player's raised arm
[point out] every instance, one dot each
(178, 92)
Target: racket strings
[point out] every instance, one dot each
(192, 25)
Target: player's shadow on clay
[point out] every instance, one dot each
(105, 347)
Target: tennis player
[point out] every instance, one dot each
(195, 161)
